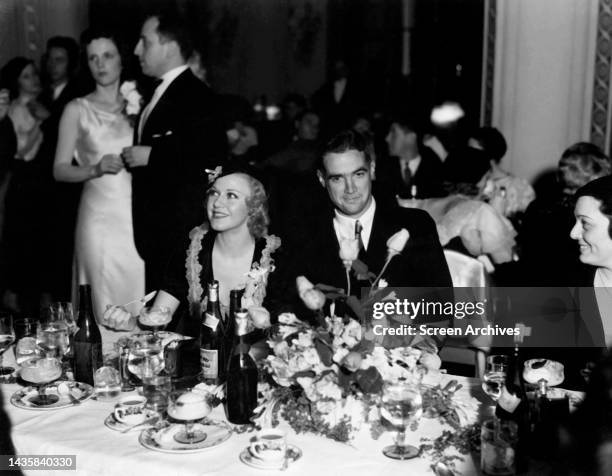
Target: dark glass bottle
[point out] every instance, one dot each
(211, 338)
(241, 376)
(87, 340)
(519, 412)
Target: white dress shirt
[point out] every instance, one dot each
(57, 90)
(167, 79)
(339, 87)
(412, 164)
(345, 226)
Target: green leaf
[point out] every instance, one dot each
(369, 380)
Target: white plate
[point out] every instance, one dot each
(293, 454)
(162, 438)
(81, 391)
(112, 423)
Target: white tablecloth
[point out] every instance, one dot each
(100, 451)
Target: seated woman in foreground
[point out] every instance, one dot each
(233, 248)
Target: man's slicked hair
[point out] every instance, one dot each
(173, 27)
(346, 140)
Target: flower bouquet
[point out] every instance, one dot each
(327, 379)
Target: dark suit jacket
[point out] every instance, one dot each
(428, 178)
(421, 266)
(186, 137)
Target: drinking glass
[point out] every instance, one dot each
(494, 378)
(52, 337)
(157, 390)
(402, 404)
(25, 338)
(146, 357)
(63, 311)
(7, 337)
(40, 373)
(155, 318)
(189, 406)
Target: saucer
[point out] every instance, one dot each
(22, 398)
(114, 424)
(161, 437)
(293, 454)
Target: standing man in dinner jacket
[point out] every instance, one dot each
(345, 171)
(179, 135)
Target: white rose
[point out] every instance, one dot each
(352, 333)
(382, 283)
(340, 354)
(396, 244)
(312, 357)
(281, 371)
(430, 361)
(303, 284)
(313, 299)
(280, 349)
(349, 251)
(304, 339)
(328, 389)
(288, 318)
(297, 363)
(260, 317)
(326, 406)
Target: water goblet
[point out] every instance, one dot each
(189, 406)
(146, 355)
(494, 378)
(155, 318)
(52, 337)
(7, 337)
(402, 404)
(40, 372)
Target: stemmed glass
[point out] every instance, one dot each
(189, 406)
(494, 378)
(402, 404)
(7, 337)
(40, 373)
(146, 355)
(156, 318)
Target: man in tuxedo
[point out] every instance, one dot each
(178, 136)
(412, 169)
(345, 171)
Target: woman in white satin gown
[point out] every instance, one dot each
(94, 130)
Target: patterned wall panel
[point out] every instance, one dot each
(601, 88)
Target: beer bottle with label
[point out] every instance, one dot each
(241, 376)
(211, 338)
(87, 340)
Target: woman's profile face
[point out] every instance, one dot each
(226, 204)
(591, 233)
(29, 81)
(104, 61)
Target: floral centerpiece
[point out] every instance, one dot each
(327, 379)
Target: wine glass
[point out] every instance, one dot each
(402, 404)
(7, 337)
(156, 318)
(52, 337)
(63, 311)
(189, 406)
(146, 355)
(40, 373)
(494, 378)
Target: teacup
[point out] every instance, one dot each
(269, 445)
(131, 410)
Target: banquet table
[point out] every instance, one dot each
(80, 431)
